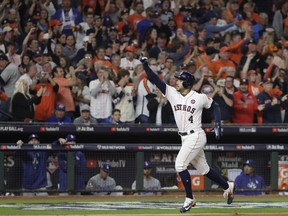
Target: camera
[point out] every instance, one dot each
(41, 75)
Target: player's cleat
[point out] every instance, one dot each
(229, 193)
(188, 204)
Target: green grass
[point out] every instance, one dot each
(4, 211)
(230, 209)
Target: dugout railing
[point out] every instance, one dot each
(127, 164)
(126, 146)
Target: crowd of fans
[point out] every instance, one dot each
(67, 60)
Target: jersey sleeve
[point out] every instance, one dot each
(170, 93)
(207, 101)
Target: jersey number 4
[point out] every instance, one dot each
(191, 119)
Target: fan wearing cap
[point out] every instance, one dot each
(123, 21)
(112, 37)
(159, 25)
(253, 86)
(184, 11)
(103, 182)
(245, 105)
(224, 61)
(84, 117)
(55, 28)
(8, 34)
(149, 182)
(187, 107)
(59, 116)
(272, 101)
(189, 27)
(8, 78)
(34, 168)
(80, 165)
(189, 66)
(249, 181)
(129, 62)
(252, 59)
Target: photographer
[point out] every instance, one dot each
(46, 107)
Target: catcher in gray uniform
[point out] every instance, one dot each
(103, 181)
(149, 182)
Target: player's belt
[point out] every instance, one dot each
(185, 133)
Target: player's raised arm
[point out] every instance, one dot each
(153, 77)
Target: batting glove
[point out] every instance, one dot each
(144, 60)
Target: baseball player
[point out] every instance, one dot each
(80, 165)
(34, 168)
(103, 181)
(187, 107)
(149, 182)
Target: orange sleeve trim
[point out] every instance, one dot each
(146, 86)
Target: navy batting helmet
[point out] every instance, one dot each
(188, 79)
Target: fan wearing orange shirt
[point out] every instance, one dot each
(64, 95)
(133, 19)
(223, 62)
(235, 47)
(46, 107)
(253, 87)
(100, 56)
(183, 12)
(206, 59)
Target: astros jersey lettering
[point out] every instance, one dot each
(187, 109)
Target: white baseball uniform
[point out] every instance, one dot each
(188, 111)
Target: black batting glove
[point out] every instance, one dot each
(144, 60)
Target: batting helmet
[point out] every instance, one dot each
(188, 79)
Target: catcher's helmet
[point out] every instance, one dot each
(188, 79)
